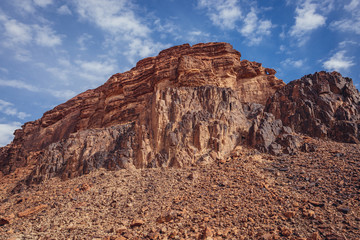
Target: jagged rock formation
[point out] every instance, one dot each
(324, 105)
(190, 105)
(185, 106)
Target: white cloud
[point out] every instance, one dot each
(19, 85)
(114, 16)
(6, 132)
(223, 13)
(17, 32)
(306, 19)
(61, 94)
(8, 109)
(126, 31)
(64, 10)
(84, 40)
(292, 63)
(339, 62)
(143, 48)
(96, 67)
(24, 6)
(254, 29)
(352, 5)
(43, 3)
(46, 37)
(351, 22)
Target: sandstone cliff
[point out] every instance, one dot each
(188, 105)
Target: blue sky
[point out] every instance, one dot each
(51, 50)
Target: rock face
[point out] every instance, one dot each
(188, 105)
(324, 105)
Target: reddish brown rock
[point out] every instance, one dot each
(184, 106)
(136, 223)
(324, 105)
(32, 211)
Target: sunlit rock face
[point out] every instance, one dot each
(190, 105)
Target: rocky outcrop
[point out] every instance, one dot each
(190, 105)
(182, 107)
(179, 127)
(324, 105)
(268, 134)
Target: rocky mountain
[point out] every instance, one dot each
(190, 105)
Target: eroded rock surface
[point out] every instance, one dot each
(324, 105)
(182, 107)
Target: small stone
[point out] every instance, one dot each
(118, 238)
(315, 236)
(84, 187)
(289, 214)
(4, 221)
(31, 211)
(206, 219)
(163, 229)
(121, 229)
(309, 213)
(267, 236)
(167, 217)
(344, 210)
(193, 176)
(207, 233)
(316, 204)
(286, 232)
(136, 223)
(154, 235)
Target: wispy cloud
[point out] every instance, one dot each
(60, 93)
(351, 22)
(64, 10)
(43, 3)
(222, 13)
(228, 15)
(84, 40)
(254, 29)
(19, 85)
(46, 37)
(6, 132)
(307, 19)
(339, 62)
(9, 109)
(114, 16)
(18, 34)
(126, 31)
(292, 63)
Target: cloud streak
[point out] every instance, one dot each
(339, 62)
(8, 109)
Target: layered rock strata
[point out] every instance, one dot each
(190, 105)
(182, 107)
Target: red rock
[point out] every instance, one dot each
(136, 223)
(289, 214)
(4, 221)
(324, 105)
(32, 211)
(138, 107)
